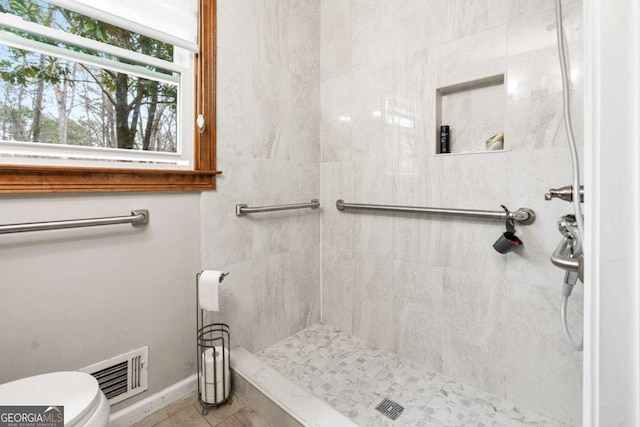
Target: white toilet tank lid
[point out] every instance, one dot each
(78, 392)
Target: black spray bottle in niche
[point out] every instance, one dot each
(444, 139)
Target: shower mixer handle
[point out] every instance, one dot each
(564, 193)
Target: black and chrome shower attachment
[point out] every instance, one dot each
(508, 241)
(569, 257)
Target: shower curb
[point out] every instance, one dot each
(277, 399)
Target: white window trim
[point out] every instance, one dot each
(17, 23)
(102, 13)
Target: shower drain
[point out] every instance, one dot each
(390, 409)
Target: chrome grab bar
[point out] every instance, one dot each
(243, 209)
(524, 216)
(137, 217)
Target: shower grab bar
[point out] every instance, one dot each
(137, 217)
(243, 209)
(524, 216)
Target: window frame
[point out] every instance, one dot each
(19, 179)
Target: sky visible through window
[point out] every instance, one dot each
(48, 99)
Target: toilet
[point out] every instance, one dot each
(83, 401)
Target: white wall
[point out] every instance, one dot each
(612, 352)
(74, 297)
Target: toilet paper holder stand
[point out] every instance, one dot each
(213, 342)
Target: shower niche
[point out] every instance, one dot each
(475, 113)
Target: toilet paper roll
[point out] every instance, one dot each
(208, 285)
(215, 386)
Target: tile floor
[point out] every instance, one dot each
(354, 376)
(186, 413)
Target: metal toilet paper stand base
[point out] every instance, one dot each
(214, 370)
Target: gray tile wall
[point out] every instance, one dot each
(335, 99)
(433, 289)
(269, 152)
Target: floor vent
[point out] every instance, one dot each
(390, 409)
(123, 376)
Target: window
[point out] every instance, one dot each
(102, 95)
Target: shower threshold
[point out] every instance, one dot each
(354, 377)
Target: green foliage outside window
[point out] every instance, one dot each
(53, 100)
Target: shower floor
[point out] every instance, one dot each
(354, 377)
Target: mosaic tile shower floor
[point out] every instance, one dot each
(353, 377)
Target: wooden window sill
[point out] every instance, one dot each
(29, 179)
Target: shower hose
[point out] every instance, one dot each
(575, 162)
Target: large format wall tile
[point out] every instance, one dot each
(338, 182)
(417, 237)
(417, 24)
(268, 139)
(371, 87)
(304, 120)
(373, 301)
(478, 55)
(336, 99)
(228, 240)
(536, 123)
(521, 8)
(273, 27)
(236, 303)
(337, 111)
(542, 370)
(408, 101)
(269, 293)
(533, 53)
(372, 230)
(272, 86)
(236, 105)
(418, 312)
(474, 330)
(338, 276)
(304, 38)
(237, 29)
(526, 188)
(302, 281)
(372, 35)
(335, 44)
(467, 17)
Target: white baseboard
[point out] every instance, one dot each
(139, 410)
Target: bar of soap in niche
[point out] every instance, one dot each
(495, 142)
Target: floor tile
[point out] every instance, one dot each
(220, 413)
(187, 413)
(250, 418)
(353, 377)
(187, 417)
(232, 421)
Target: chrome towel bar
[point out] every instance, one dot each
(524, 216)
(243, 209)
(137, 217)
